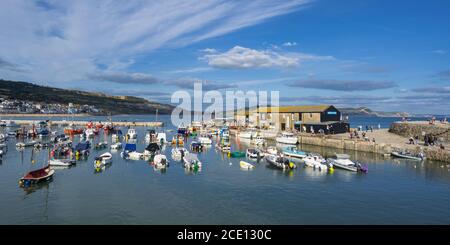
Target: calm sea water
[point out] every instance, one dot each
(132, 192)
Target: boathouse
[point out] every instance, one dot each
(302, 118)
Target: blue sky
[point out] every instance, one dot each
(386, 55)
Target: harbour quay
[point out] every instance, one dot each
(83, 123)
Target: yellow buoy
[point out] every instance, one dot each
(33, 161)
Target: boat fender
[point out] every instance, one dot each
(291, 164)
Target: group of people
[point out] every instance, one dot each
(355, 135)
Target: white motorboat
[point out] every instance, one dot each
(280, 162)
(2, 123)
(116, 146)
(343, 161)
(248, 134)
(161, 137)
(315, 161)
(26, 144)
(131, 133)
(204, 140)
(178, 153)
(160, 161)
(258, 141)
(287, 138)
(61, 162)
(191, 162)
(253, 153)
(134, 155)
(102, 160)
(271, 150)
(3, 137)
(89, 132)
(115, 138)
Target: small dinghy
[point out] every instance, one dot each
(102, 160)
(37, 176)
(280, 162)
(409, 155)
(61, 162)
(160, 161)
(236, 154)
(253, 153)
(191, 162)
(246, 165)
(343, 161)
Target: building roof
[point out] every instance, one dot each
(295, 109)
(286, 109)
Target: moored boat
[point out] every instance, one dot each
(191, 162)
(343, 161)
(280, 162)
(102, 160)
(315, 161)
(292, 151)
(36, 176)
(151, 149)
(131, 133)
(160, 161)
(116, 146)
(287, 138)
(178, 153)
(204, 140)
(61, 162)
(408, 155)
(253, 153)
(246, 165)
(258, 141)
(236, 154)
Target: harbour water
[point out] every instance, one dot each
(132, 192)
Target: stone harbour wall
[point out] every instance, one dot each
(411, 129)
(432, 153)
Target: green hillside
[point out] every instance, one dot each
(108, 104)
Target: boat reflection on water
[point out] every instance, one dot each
(316, 174)
(38, 186)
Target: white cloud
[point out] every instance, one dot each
(65, 40)
(289, 44)
(241, 58)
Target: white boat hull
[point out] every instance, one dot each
(289, 141)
